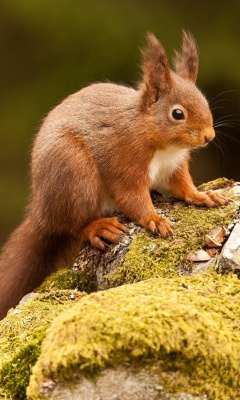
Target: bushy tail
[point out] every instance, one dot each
(28, 258)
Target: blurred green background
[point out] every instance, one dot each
(51, 48)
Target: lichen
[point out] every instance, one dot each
(21, 335)
(181, 321)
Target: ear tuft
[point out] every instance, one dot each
(186, 61)
(156, 72)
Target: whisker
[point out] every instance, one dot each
(228, 121)
(227, 125)
(215, 108)
(223, 100)
(227, 116)
(218, 144)
(220, 94)
(227, 137)
(224, 121)
(231, 122)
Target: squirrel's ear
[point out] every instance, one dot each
(156, 72)
(186, 62)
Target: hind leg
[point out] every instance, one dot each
(68, 197)
(67, 188)
(101, 229)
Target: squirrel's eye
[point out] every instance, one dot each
(178, 114)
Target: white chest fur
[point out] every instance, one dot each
(162, 166)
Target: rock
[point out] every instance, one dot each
(141, 255)
(118, 384)
(178, 325)
(202, 266)
(199, 255)
(229, 259)
(21, 335)
(28, 297)
(137, 341)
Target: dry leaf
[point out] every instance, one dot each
(211, 290)
(216, 237)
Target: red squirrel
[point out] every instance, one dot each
(103, 149)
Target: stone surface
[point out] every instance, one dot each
(200, 255)
(28, 297)
(202, 266)
(229, 259)
(105, 263)
(119, 384)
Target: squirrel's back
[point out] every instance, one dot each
(91, 107)
(94, 114)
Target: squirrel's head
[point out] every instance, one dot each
(176, 107)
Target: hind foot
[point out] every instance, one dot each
(109, 229)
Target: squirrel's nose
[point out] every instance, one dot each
(208, 134)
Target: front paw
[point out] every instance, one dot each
(210, 198)
(157, 225)
(103, 230)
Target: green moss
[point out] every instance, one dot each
(154, 257)
(70, 279)
(219, 183)
(180, 321)
(21, 335)
(148, 257)
(188, 309)
(15, 374)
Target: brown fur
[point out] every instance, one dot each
(186, 62)
(104, 148)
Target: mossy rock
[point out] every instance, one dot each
(178, 321)
(21, 335)
(142, 256)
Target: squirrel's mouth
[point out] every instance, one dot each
(201, 138)
(199, 145)
(194, 138)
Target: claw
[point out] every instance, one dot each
(103, 231)
(157, 233)
(152, 227)
(170, 233)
